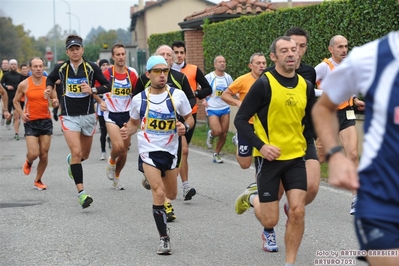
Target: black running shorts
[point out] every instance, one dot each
(292, 174)
(39, 127)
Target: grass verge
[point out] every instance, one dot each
(229, 148)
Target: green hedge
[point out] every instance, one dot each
(360, 21)
(156, 40)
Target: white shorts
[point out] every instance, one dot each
(85, 124)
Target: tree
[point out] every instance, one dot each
(91, 52)
(16, 42)
(8, 37)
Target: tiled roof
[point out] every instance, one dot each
(150, 3)
(279, 5)
(233, 7)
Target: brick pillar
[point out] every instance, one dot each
(195, 56)
(195, 51)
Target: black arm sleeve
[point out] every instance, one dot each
(311, 100)
(313, 79)
(99, 76)
(253, 102)
(4, 80)
(53, 76)
(140, 85)
(203, 82)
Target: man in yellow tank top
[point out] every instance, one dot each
(280, 102)
(37, 119)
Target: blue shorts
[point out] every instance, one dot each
(377, 234)
(218, 113)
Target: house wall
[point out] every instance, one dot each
(140, 33)
(165, 18)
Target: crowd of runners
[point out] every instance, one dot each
(280, 127)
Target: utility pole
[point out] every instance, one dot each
(69, 9)
(54, 34)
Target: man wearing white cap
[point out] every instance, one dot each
(178, 80)
(155, 111)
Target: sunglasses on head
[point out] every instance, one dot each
(159, 70)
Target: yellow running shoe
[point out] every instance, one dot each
(242, 202)
(170, 214)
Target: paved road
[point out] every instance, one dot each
(49, 227)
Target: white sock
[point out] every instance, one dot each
(251, 199)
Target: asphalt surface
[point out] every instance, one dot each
(49, 227)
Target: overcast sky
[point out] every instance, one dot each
(37, 15)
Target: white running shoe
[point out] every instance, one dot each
(217, 158)
(118, 185)
(209, 140)
(111, 170)
(103, 156)
(164, 246)
(188, 192)
(269, 241)
(145, 183)
(234, 139)
(353, 205)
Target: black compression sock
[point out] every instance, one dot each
(160, 219)
(77, 173)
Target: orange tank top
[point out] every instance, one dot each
(191, 73)
(35, 104)
(342, 105)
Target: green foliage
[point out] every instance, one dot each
(199, 138)
(109, 38)
(122, 36)
(156, 40)
(91, 52)
(360, 21)
(15, 42)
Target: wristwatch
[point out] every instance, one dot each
(187, 127)
(94, 90)
(332, 151)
